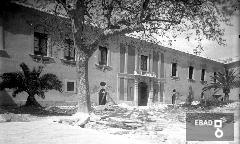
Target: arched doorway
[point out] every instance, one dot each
(142, 94)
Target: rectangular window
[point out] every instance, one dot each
(131, 60)
(174, 69)
(69, 51)
(122, 58)
(103, 55)
(214, 75)
(190, 72)
(144, 62)
(40, 44)
(203, 75)
(70, 86)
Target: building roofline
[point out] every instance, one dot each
(235, 63)
(178, 51)
(166, 48)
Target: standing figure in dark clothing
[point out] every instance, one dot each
(102, 94)
(174, 96)
(102, 97)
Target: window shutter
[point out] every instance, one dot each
(122, 58)
(36, 44)
(43, 46)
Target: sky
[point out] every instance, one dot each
(212, 49)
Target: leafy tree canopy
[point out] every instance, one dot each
(198, 19)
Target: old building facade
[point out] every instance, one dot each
(135, 72)
(142, 73)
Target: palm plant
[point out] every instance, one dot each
(31, 82)
(226, 81)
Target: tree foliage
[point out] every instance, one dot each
(201, 19)
(30, 81)
(194, 19)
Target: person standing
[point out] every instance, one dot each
(174, 95)
(203, 99)
(102, 94)
(102, 97)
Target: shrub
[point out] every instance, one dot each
(30, 81)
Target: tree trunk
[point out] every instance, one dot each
(31, 101)
(82, 116)
(83, 84)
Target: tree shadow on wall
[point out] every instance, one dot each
(6, 99)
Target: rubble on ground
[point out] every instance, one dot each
(156, 121)
(159, 123)
(150, 118)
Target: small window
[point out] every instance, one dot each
(70, 86)
(174, 69)
(69, 51)
(214, 75)
(40, 44)
(144, 62)
(103, 55)
(190, 72)
(203, 75)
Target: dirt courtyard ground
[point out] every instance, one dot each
(47, 132)
(160, 125)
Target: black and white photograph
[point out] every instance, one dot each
(119, 71)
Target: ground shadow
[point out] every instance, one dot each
(38, 111)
